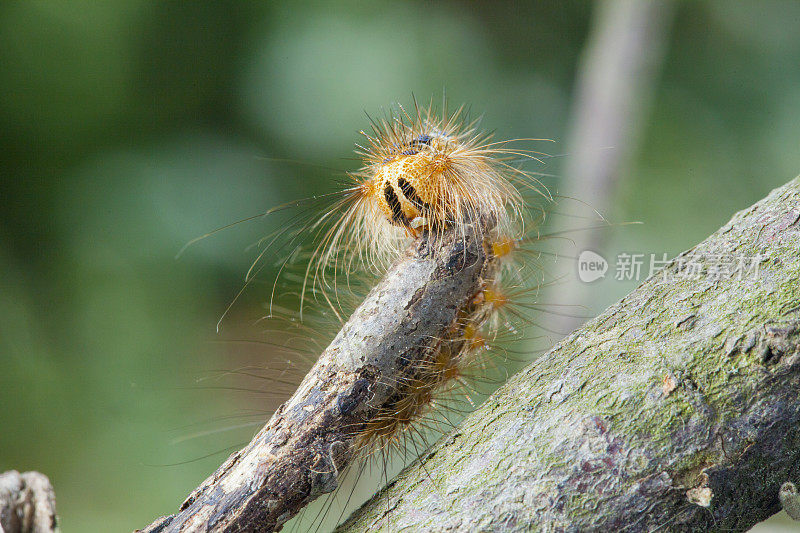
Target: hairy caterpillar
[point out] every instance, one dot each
(425, 173)
(446, 194)
(421, 173)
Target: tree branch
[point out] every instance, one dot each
(27, 503)
(311, 439)
(676, 409)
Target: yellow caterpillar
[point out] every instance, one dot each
(423, 172)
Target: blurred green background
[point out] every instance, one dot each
(128, 128)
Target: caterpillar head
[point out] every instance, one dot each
(408, 185)
(422, 172)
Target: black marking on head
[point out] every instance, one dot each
(394, 204)
(410, 193)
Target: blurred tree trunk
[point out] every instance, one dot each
(676, 409)
(615, 82)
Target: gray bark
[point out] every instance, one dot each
(302, 451)
(677, 409)
(27, 503)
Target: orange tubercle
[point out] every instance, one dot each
(504, 246)
(495, 298)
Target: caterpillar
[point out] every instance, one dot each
(421, 173)
(439, 208)
(428, 173)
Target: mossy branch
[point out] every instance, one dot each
(677, 409)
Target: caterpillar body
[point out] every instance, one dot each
(425, 173)
(444, 206)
